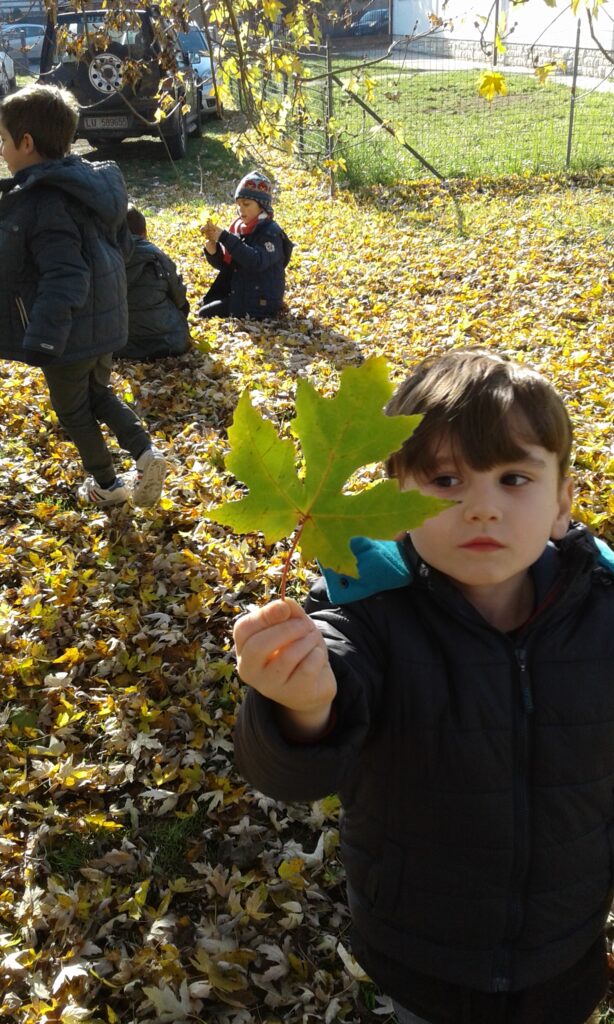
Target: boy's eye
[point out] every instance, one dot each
(514, 479)
(445, 480)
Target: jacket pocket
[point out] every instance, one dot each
(390, 880)
(378, 880)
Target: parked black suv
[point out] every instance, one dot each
(116, 73)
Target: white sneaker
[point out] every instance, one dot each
(92, 493)
(151, 469)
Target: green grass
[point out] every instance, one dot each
(167, 840)
(145, 160)
(463, 135)
(66, 854)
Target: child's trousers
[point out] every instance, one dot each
(82, 398)
(407, 1017)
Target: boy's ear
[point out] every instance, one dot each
(560, 524)
(27, 144)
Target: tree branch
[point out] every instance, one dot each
(608, 56)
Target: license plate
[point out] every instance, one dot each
(105, 122)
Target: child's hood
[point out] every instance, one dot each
(383, 565)
(99, 185)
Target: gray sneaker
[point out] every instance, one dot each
(151, 469)
(91, 493)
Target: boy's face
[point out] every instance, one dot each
(249, 209)
(18, 157)
(502, 522)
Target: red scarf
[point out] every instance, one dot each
(242, 228)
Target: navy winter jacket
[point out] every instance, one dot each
(475, 769)
(157, 304)
(255, 280)
(62, 273)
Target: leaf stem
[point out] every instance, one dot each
(286, 569)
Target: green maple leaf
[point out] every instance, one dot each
(337, 436)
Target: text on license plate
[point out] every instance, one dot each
(105, 122)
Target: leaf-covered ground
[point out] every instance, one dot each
(142, 880)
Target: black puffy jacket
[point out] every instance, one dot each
(157, 304)
(475, 770)
(62, 273)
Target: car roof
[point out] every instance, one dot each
(61, 11)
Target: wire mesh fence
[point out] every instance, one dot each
(370, 108)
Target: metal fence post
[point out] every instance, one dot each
(572, 101)
(329, 114)
(495, 52)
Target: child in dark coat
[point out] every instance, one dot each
(459, 696)
(63, 286)
(251, 256)
(157, 300)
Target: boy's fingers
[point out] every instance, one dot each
(286, 660)
(261, 651)
(269, 615)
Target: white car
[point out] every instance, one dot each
(194, 44)
(23, 43)
(7, 74)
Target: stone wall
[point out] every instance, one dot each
(591, 62)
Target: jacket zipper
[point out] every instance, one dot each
(526, 688)
(23, 313)
(522, 709)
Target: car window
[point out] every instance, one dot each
(27, 30)
(17, 31)
(192, 41)
(136, 40)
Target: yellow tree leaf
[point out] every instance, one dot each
(491, 84)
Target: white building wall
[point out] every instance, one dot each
(533, 21)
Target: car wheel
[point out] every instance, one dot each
(177, 141)
(98, 74)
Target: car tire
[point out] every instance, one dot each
(82, 86)
(177, 141)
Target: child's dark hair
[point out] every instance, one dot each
(484, 406)
(136, 221)
(45, 112)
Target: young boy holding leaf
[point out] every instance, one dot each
(462, 705)
(251, 256)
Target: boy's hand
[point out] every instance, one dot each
(211, 232)
(282, 654)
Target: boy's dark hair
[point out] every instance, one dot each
(45, 112)
(484, 406)
(136, 221)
